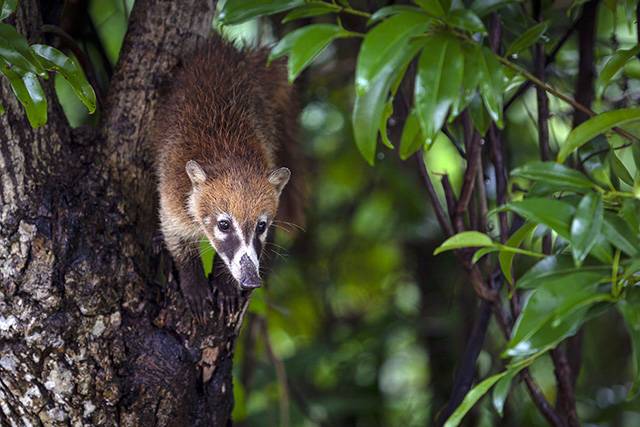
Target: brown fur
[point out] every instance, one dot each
(236, 117)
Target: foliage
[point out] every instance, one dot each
(587, 201)
(24, 65)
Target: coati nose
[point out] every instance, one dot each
(249, 278)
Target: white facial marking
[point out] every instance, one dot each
(220, 235)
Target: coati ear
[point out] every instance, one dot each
(195, 172)
(279, 178)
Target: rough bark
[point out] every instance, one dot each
(93, 327)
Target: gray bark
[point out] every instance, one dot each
(93, 328)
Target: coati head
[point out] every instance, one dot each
(235, 210)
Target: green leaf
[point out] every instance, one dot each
(438, 82)
(479, 115)
(27, 89)
(16, 51)
(553, 213)
(586, 226)
(501, 391)
(482, 388)
(466, 239)
(492, 84)
(470, 79)
(630, 310)
(237, 11)
(368, 108)
(527, 39)
(54, 60)
(305, 44)
(7, 8)
(505, 258)
(593, 127)
(620, 235)
(411, 139)
(555, 266)
(557, 175)
(309, 10)
(619, 169)
(466, 20)
(432, 7)
(385, 46)
(387, 11)
(482, 252)
(554, 311)
(613, 65)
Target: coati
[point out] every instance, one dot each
(224, 123)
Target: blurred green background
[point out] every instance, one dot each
(359, 324)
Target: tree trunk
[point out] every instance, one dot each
(93, 327)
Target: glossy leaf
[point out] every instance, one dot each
(553, 213)
(466, 239)
(387, 11)
(237, 11)
(387, 113)
(492, 83)
(630, 310)
(479, 116)
(620, 235)
(411, 139)
(385, 46)
(309, 10)
(553, 311)
(619, 169)
(482, 252)
(7, 8)
(16, 51)
(593, 127)
(438, 82)
(470, 79)
(527, 39)
(586, 226)
(613, 65)
(305, 44)
(27, 89)
(432, 7)
(54, 60)
(505, 258)
(557, 175)
(466, 20)
(555, 266)
(368, 108)
(501, 391)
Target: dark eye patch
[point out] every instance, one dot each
(229, 246)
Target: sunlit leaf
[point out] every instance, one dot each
(554, 311)
(466, 20)
(438, 82)
(369, 107)
(492, 84)
(305, 44)
(309, 10)
(482, 252)
(16, 51)
(620, 235)
(501, 391)
(593, 127)
(586, 226)
(557, 175)
(237, 11)
(54, 60)
(27, 89)
(619, 169)
(7, 8)
(527, 39)
(385, 46)
(553, 213)
(614, 64)
(505, 258)
(466, 239)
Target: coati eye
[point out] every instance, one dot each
(223, 225)
(262, 225)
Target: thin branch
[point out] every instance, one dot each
(449, 197)
(445, 225)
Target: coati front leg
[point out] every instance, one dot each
(193, 284)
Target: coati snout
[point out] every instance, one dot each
(235, 212)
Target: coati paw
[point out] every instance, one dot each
(199, 299)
